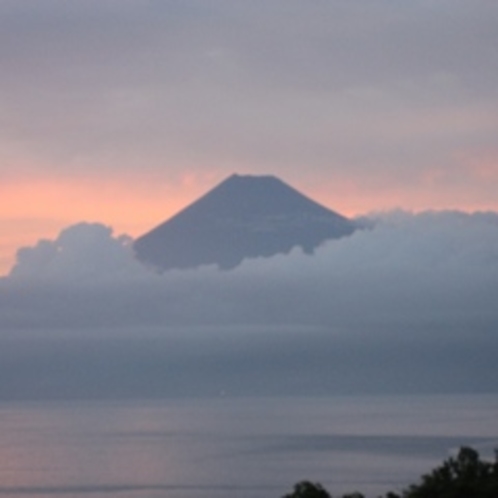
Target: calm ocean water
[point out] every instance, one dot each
(240, 447)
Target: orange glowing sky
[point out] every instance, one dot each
(125, 114)
(33, 210)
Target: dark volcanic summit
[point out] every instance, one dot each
(243, 217)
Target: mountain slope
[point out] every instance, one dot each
(243, 217)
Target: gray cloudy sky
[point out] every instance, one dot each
(407, 268)
(125, 111)
(407, 306)
(121, 112)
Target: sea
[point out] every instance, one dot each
(225, 447)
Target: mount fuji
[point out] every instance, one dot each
(243, 217)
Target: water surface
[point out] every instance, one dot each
(234, 447)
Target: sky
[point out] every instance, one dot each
(115, 115)
(405, 306)
(125, 111)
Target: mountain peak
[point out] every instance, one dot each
(244, 216)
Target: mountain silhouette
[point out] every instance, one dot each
(243, 217)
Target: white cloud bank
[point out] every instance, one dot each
(439, 266)
(406, 306)
(85, 252)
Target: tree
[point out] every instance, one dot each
(461, 477)
(307, 489)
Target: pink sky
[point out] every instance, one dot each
(40, 209)
(124, 115)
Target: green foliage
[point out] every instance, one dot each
(463, 476)
(306, 489)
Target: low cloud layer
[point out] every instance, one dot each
(83, 252)
(409, 303)
(433, 266)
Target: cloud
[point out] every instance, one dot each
(394, 103)
(430, 266)
(83, 252)
(364, 105)
(408, 304)
(221, 85)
